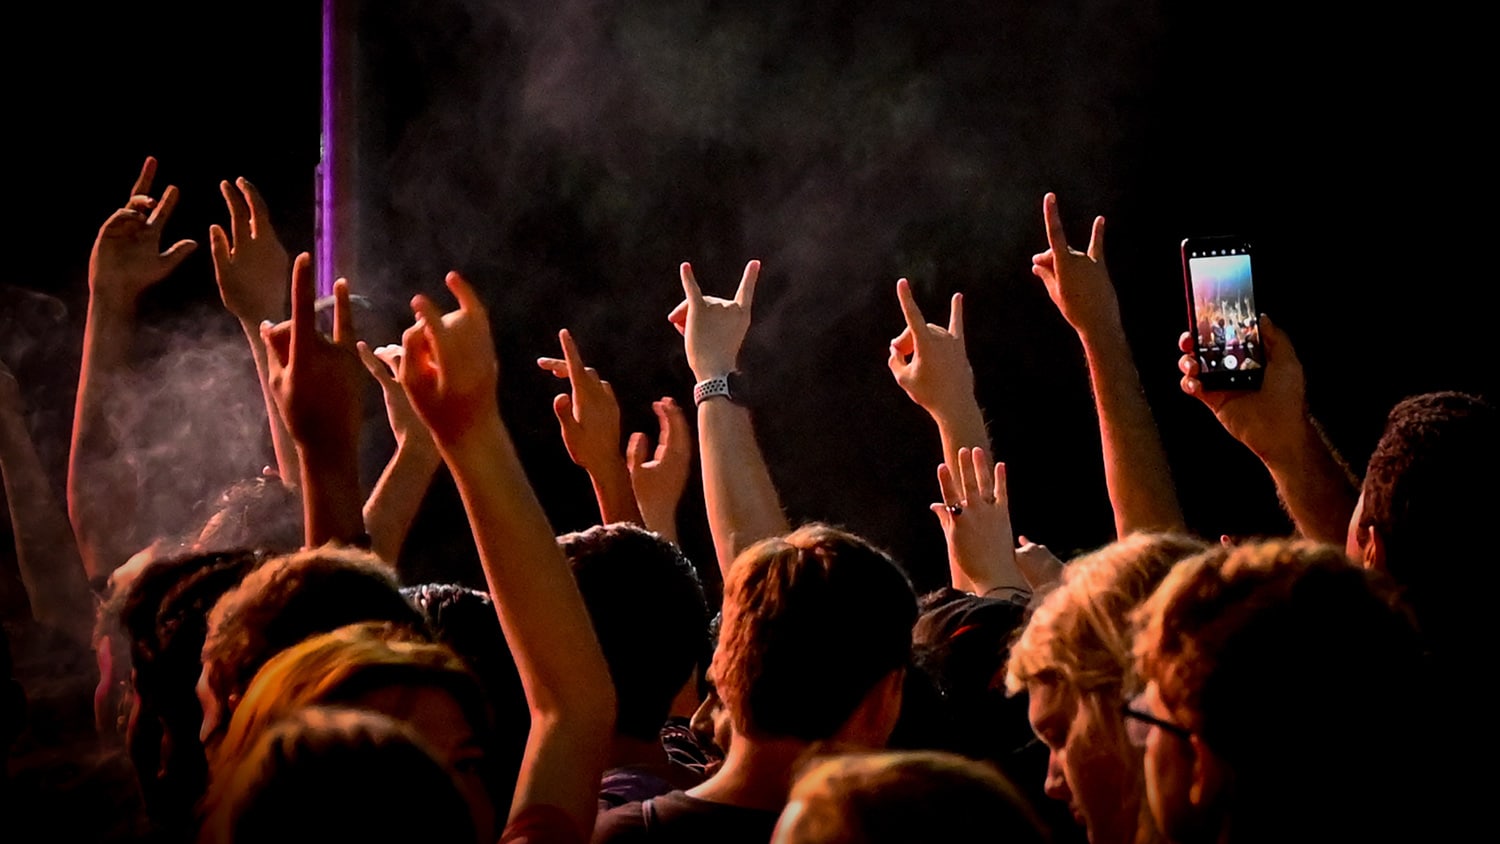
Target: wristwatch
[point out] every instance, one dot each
(729, 385)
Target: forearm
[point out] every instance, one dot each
(101, 486)
(660, 521)
(613, 492)
(288, 465)
(960, 426)
(1136, 473)
(46, 554)
(397, 496)
(1315, 485)
(742, 503)
(546, 625)
(331, 504)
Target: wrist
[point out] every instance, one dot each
(1291, 443)
(474, 439)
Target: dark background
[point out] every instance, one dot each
(567, 155)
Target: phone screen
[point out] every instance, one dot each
(1226, 328)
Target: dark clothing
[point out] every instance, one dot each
(629, 785)
(676, 817)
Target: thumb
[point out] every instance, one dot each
(562, 405)
(941, 511)
(635, 451)
(178, 253)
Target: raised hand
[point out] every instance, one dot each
(1078, 282)
(659, 478)
(714, 328)
(1038, 564)
(590, 415)
(1265, 420)
(929, 361)
(252, 267)
(449, 367)
(383, 363)
(316, 379)
(975, 515)
(127, 256)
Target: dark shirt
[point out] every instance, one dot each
(676, 817)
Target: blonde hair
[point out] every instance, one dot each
(334, 668)
(904, 796)
(1081, 631)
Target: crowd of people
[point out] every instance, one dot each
(266, 675)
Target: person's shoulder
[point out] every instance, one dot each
(678, 816)
(623, 823)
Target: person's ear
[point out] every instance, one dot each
(1372, 555)
(1209, 774)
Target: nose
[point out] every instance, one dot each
(1056, 784)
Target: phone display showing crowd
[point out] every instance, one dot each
(1222, 312)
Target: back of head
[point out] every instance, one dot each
(340, 775)
(812, 622)
(1301, 673)
(1081, 631)
(902, 797)
(259, 513)
(649, 611)
(1423, 496)
(287, 600)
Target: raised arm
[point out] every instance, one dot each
(46, 554)
(742, 503)
(590, 420)
(932, 365)
(397, 496)
(450, 372)
(126, 260)
(318, 384)
(1315, 484)
(659, 478)
(1135, 464)
(252, 270)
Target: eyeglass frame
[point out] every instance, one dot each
(1130, 712)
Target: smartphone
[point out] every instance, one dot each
(1222, 314)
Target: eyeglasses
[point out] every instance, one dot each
(1139, 721)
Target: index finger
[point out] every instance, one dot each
(1056, 237)
(259, 214)
(690, 284)
(304, 302)
(143, 181)
(239, 213)
(746, 292)
(914, 319)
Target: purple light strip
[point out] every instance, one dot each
(325, 240)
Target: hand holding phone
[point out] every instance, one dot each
(1223, 319)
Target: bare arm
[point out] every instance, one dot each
(317, 383)
(975, 514)
(450, 372)
(1314, 483)
(252, 272)
(659, 479)
(126, 261)
(742, 502)
(931, 364)
(590, 419)
(397, 496)
(1135, 463)
(51, 569)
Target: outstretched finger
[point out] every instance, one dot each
(948, 486)
(239, 213)
(383, 372)
(745, 294)
(914, 319)
(983, 475)
(163, 210)
(143, 181)
(1000, 491)
(1096, 241)
(968, 479)
(635, 451)
(463, 291)
(304, 303)
(343, 313)
(956, 316)
(577, 371)
(1057, 239)
(218, 247)
(260, 215)
(690, 286)
(675, 436)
